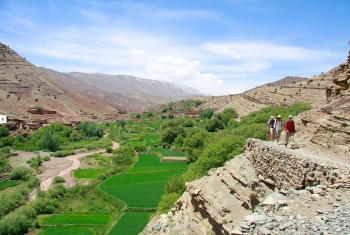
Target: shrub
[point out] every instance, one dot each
(49, 141)
(35, 162)
(169, 134)
(63, 153)
(167, 202)
(4, 132)
(58, 180)
(75, 136)
(207, 113)
(194, 143)
(214, 125)
(45, 205)
(109, 149)
(6, 141)
(90, 129)
(175, 185)
(188, 123)
(20, 173)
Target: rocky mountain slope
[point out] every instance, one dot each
(282, 92)
(33, 96)
(272, 189)
(128, 92)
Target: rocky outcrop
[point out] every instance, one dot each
(328, 127)
(220, 201)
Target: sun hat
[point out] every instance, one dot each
(279, 116)
(272, 117)
(290, 116)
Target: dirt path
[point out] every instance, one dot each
(63, 167)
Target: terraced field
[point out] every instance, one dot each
(75, 224)
(141, 188)
(89, 173)
(131, 223)
(8, 183)
(167, 152)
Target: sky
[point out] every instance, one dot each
(216, 46)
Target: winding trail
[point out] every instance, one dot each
(66, 170)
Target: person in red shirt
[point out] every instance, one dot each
(289, 129)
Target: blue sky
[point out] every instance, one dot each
(216, 46)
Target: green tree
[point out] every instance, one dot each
(207, 113)
(194, 144)
(214, 124)
(49, 141)
(169, 134)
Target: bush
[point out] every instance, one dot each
(169, 134)
(20, 173)
(194, 143)
(35, 162)
(109, 149)
(6, 141)
(90, 129)
(214, 125)
(45, 205)
(58, 180)
(4, 132)
(188, 123)
(207, 113)
(175, 185)
(49, 141)
(63, 153)
(75, 136)
(167, 202)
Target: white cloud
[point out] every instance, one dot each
(263, 51)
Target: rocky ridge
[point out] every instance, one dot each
(272, 189)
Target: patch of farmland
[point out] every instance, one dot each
(167, 152)
(89, 173)
(8, 183)
(151, 163)
(75, 219)
(69, 230)
(131, 223)
(139, 189)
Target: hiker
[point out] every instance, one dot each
(289, 128)
(278, 127)
(271, 124)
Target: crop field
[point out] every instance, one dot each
(75, 219)
(167, 152)
(143, 185)
(68, 230)
(8, 183)
(131, 223)
(89, 173)
(151, 140)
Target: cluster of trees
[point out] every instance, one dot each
(181, 106)
(53, 136)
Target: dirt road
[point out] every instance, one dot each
(63, 167)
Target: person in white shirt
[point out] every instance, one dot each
(278, 127)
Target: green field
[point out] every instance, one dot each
(8, 183)
(75, 219)
(70, 230)
(167, 152)
(89, 173)
(143, 185)
(131, 223)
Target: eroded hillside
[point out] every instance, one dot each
(272, 189)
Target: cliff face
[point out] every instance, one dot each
(271, 189)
